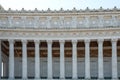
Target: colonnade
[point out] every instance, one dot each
(62, 59)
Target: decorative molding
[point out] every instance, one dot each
(49, 23)
(61, 19)
(59, 34)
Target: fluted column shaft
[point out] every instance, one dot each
(62, 60)
(24, 59)
(49, 43)
(74, 59)
(11, 59)
(37, 59)
(100, 59)
(114, 59)
(87, 59)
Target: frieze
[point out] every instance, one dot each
(52, 34)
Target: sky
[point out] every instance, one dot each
(57, 4)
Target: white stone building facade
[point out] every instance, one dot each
(70, 44)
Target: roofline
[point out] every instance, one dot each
(74, 10)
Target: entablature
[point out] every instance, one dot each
(53, 34)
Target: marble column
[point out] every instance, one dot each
(62, 60)
(24, 59)
(37, 59)
(11, 59)
(49, 45)
(100, 59)
(114, 59)
(0, 60)
(87, 59)
(74, 59)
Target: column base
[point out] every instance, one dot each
(37, 79)
(24, 78)
(74, 78)
(100, 79)
(49, 78)
(11, 78)
(114, 79)
(62, 78)
(87, 79)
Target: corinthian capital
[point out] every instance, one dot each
(114, 39)
(49, 41)
(11, 41)
(87, 40)
(37, 41)
(24, 41)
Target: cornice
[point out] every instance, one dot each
(74, 11)
(60, 14)
(61, 30)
